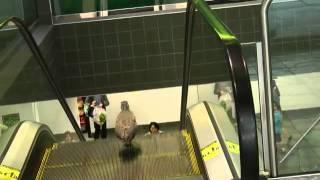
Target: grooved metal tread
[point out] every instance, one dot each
(151, 157)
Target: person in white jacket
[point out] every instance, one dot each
(100, 121)
(126, 124)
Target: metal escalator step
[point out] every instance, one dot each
(195, 177)
(165, 155)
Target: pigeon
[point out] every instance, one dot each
(126, 124)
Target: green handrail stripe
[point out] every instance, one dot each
(4, 22)
(218, 26)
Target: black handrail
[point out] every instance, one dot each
(27, 36)
(249, 155)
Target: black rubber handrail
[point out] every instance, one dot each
(248, 141)
(27, 36)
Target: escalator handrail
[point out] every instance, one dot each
(221, 30)
(249, 157)
(27, 36)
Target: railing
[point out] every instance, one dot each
(44, 67)
(276, 162)
(249, 157)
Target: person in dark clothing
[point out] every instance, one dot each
(275, 94)
(98, 104)
(84, 119)
(154, 128)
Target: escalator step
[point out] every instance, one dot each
(165, 155)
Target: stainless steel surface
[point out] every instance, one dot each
(17, 153)
(5, 138)
(300, 139)
(267, 85)
(167, 9)
(315, 176)
(228, 131)
(187, 178)
(51, 12)
(151, 157)
(263, 109)
(237, 4)
(217, 167)
(91, 16)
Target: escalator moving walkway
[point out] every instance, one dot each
(164, 156)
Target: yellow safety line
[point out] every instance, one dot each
(43, 163)
(191, 153)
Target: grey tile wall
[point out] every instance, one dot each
(145, 52)
(119, 55)
(294, 38)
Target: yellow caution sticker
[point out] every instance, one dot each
(211, 151)
(233, 147)
(8, 173)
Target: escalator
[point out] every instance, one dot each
(171, 155)
(210, 144)
(153, 157)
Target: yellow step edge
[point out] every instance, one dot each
(191, 153)
(43, 163)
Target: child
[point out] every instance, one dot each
(154, 128)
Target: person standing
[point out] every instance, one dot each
(275, 93)
(100, 121)
(225, 98)
(277, 122)
(93, 102)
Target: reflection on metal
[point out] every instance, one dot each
(187, 62)
(51, 10)
(300, 139)
(236, 4)
(227, 136)
(263, 108)
(138, 12)
(167, 7)
(314, 176)
(17, 153)
(241, 87)
(217, 166)
(30, 41)
(75, 18)
(267, 85)
(7, 138)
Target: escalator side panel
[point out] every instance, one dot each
(228, 132)
(24, 138)
(196, 147)
(42, 142)
(214, 159)
(26, 149)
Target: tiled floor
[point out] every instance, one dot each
(306, 156)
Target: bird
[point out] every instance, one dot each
(126, 124)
